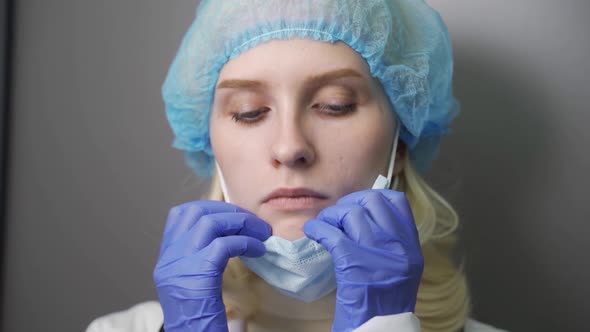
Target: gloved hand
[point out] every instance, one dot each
(378, 262)
(199, 238)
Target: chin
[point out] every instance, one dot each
(291, 236)
(289, 227)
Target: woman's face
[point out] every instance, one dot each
(303, 116)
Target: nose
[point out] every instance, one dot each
(292, 147)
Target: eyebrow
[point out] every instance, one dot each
(312, 80)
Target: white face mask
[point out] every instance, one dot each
(302, 269)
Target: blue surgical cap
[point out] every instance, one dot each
(404, 42)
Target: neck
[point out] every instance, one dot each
(272, 302)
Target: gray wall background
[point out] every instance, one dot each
(92, 174)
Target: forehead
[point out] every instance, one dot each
(293, 60)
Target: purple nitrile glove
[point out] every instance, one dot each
(199, 238)
(378, 261)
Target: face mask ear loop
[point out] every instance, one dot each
(222, 183)
(392, 159)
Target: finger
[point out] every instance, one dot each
(212, 226)
(403, 210)
(385, 215)
(211, 260)
(383, 210)
(223, 248)
(400, 201)
(184, 216)
(357, 196)
(353, 219)
(216, 225)
(330, 237)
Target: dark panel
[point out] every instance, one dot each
(5, 41)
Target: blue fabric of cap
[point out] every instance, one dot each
(405, 43)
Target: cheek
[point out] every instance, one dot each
(240, 155)
(220, 136)
(358, 151)
(233, 144)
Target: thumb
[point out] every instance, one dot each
(223, 248)
(325, 234)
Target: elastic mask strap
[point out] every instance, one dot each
(392, 159)
(222, 183)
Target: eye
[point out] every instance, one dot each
(250, 116)
(336, 109)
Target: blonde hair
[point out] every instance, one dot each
(443, 302)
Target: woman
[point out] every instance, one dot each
(297, 108)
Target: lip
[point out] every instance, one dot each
(294, 199)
